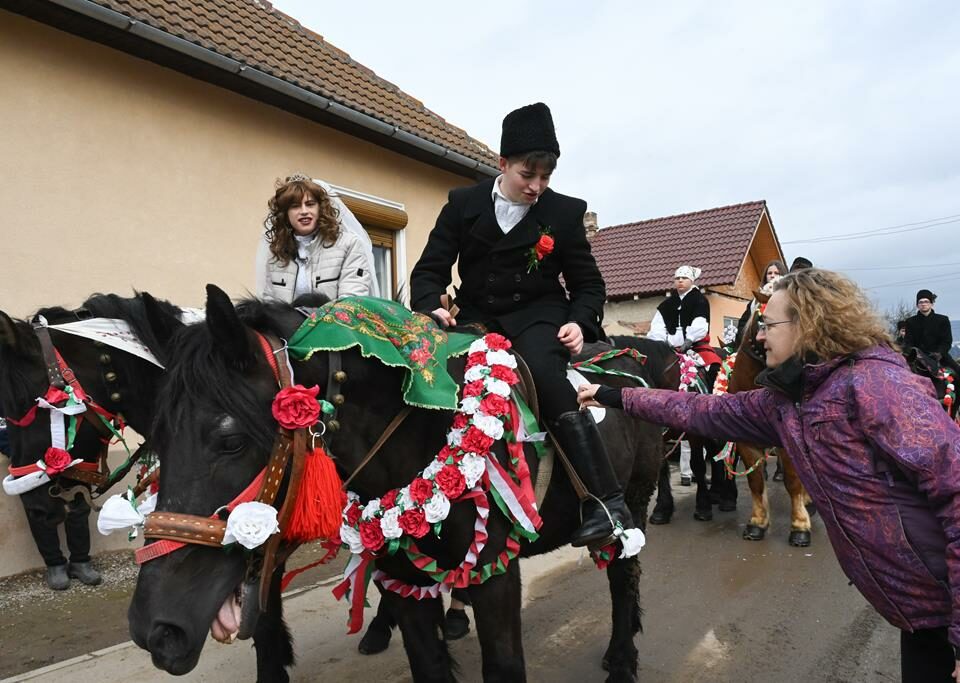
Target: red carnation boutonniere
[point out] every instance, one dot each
(539, 251)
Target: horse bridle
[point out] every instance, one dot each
(60, 375)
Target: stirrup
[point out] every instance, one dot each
(609, 538)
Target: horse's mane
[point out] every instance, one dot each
(660, 355)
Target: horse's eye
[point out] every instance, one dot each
(233, 443)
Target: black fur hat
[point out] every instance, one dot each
(800, 263)
(926, 294)
(528, 129)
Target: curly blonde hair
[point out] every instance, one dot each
(833, 315)
(280, 233)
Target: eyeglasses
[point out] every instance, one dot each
(764, 325)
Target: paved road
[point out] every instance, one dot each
(716, 608)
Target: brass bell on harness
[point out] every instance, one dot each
(115, 397)
(340, 376)
(110, 376)
(338, 399)
(105, 359)
(333, 425)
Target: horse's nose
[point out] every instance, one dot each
(168, 645)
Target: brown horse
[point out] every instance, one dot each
(749, 362)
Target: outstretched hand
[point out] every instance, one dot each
(586, 394)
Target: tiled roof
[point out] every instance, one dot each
(640, 258)
(261, 37)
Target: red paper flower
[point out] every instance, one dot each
(420, 490)
(451, 482)
(296, 407)
(56, 460)
(389, 499)
(460, 421)
(474, 388)
(414, 523)
(353, 514)
(476, 441)
(370, 534)
(544, 246)
(476, 358)
(492, 404)
(504, 373)
(446, 453)
(497, 342)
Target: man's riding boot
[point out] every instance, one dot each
(580, 440)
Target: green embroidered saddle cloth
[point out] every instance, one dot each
(393, 334)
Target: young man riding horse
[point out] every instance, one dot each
(930, 332)
(514, 238)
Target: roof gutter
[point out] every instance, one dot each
(185, 47)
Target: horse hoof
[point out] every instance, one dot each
(660, 517)
(703, 515)
(375, 640)
(728, 506)
(800, 539)
(685, 481)
(752, 532)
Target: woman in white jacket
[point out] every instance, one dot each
(312, 245)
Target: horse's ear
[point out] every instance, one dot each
(9, 336)
(229, 333)
(161, 322)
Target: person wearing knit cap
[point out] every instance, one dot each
(929, 331)
(800, 263)
(515, 238)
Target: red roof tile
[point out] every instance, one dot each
(259, 36)
(640, 258)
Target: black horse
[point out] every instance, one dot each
(721, 491)
(120, 382)
(214, 431)
(925, 365)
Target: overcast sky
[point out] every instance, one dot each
(844, 117)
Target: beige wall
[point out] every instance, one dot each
(118, 174)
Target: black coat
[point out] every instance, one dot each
(495, 285)
(682, 312)
(929, 333)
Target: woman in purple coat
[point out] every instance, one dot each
(872, 446)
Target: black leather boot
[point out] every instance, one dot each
(580, 439)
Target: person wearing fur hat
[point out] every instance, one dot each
(514, 238)
(929, 331)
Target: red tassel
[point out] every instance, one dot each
(317, 510)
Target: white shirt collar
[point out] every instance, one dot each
(497, 193)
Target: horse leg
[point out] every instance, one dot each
(799, 517)
(496, 608)
(620, 659)
(377, 637)
(722, 485)
(271, 638)
(663, 510)
(421, 623)
(759, 522)
(703, 510)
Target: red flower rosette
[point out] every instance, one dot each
(296, 407)
(475, 441)
(497, 342)
(56, 460)
(389, 499)
(504, 373)
(352, 515)
(414, 523)
(544, 246)
(451, 482)
(476, 358)
(421, 490)
(460, 421)
(473, 389)
(495, 405)
(371, 535)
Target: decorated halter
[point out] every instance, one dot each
(68, 404)
(254, 519)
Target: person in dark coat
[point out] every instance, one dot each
(514, 238)
(929, 331)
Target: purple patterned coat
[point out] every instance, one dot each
(879, 457)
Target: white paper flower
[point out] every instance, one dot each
(250, 524)
(631, 539)
(501, 357)
(351, 537)
(475, 373)
(351, 496)
(404, 501)
(489, 425)
(497, 386)
(472, 467)
(430, 471)
(390, 523)
(371, 509)
(455, 436)
(479, 346)
(470, 405)
(437, 508)
(119, 512)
